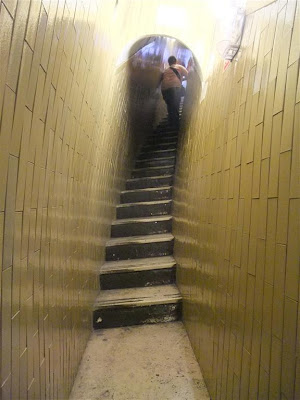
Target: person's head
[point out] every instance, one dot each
(172, 60)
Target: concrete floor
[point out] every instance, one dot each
(148, 362)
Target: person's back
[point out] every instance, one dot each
(171, 89)
(170, 79)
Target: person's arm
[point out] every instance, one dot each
(184, 72)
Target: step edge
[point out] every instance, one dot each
(158, 151)
(146, 168)
(132, 180)
(136, 268)
(143, 239)
(144, 203)
(156, 159)
(141, 261)
(159, 144)
(156, 218)
(150, 189)
(137, 302)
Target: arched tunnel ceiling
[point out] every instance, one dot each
(131, 49)
(193, 23)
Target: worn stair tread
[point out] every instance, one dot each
(162, 237)
(164, 128)
(155, 152)
(156, 159)
(147, 189)
(141, 203)
(160, 144)
(149, 170)
(138, 297)
(152, 169)
(138, 264)
(162, 137)
(157, 218)
(149, 177)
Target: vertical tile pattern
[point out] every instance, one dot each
(237, 215)
(65, 148)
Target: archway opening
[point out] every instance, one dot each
(145, 60)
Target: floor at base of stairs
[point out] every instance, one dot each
(148, 362)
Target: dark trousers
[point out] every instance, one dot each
(172, 98)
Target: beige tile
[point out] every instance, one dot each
(17, 43)
(23, 161)
(10, 212)
(6, 127)
(295, 43)
(275, 371)
(277, 42)
(265, 357)
(6, 342)
(16, 284)
(21, 110)
(33, 20)
(288, 374)
(255, 357)
(244, 387)
(295, 167)
(6, 389)
(275, 148)
(289, 107)
(15, 387)
(283, 197)
(11, 5)
(263, 389)
(35, 37)
(292, 263)
(278, 299)
(268, 120)
(263, 87)
(257, 161)
(6, 24)
(281, 74)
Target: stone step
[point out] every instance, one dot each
(155, 162)
(146, 194)
(157, 139)
(163, 137)
(149, 182)
(144, 209)
(160, 146)
(141, 226)
(153, 171)
(138, 273)
(166, 130)
(157, 154)
(139, 247)
(147, 305)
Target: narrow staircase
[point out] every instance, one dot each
(138, 279)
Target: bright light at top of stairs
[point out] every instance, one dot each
(171, 16)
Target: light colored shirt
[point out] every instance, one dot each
(170, 78)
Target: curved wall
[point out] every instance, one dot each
(66, 142)
(237, 205)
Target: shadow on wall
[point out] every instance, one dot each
(148, 58)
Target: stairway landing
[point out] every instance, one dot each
(148, 362)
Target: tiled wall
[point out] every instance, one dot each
(64, 152)
(237, 215)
